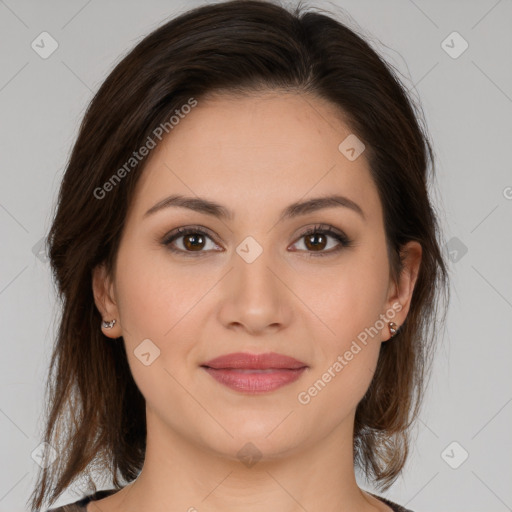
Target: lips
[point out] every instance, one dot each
(245, 361)
(254, 373)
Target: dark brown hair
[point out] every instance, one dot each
(95, 415)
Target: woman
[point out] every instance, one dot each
(250, 271)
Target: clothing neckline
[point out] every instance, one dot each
(107, 492)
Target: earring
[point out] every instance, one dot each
(392, 328)
(108, 325)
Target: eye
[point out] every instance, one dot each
(194, 240)
(316, 240)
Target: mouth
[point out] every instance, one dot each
(255, 373)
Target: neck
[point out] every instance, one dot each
(181, 475)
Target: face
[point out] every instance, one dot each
(254, 281)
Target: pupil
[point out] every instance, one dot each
(195, 243)
(315, 237)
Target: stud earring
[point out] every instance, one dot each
(392, 328)
(108, 325)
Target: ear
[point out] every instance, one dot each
(104, 298)
(400, 293)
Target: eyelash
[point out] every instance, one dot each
(323, 229)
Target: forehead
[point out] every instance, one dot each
(259, 149)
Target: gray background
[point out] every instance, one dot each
(468, 106)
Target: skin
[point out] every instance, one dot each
(255, 155)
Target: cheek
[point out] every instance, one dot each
(156, 302)
(154, 295)
(333, 391)
(348, 299)
(349, 304)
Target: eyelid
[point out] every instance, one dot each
(343, 240)
(326, 229)
(183, 231)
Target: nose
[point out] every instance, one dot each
(255, 298)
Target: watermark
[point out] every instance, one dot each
(44, 454)
(249, 454)
(454, 45)
(249, 249)
(454, 455)
(144, 150)
(44, 45)
(304, 397)
(146, 352)
(456, 249)
(351, 147)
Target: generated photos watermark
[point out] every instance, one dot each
(304, 397)
(144, 150)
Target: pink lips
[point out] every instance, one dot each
(254, 373)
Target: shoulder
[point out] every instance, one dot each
(80, 505)
(394, 506)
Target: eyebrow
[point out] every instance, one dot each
(207, 207)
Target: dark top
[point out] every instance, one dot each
(79, 506)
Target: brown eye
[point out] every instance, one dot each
(316, 241)
(194, 241)
(189, 240)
